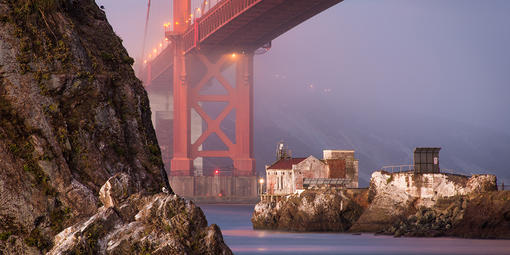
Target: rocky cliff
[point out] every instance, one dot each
(478, 215)
(312, 210)
(72, 114)
(133, 223)
(399, 204)
(393, 195)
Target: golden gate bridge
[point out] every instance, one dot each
(199, 45)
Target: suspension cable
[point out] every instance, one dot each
(145, 30)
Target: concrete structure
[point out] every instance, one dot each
(426, 160)
(160, 98)
(288, 175)
(224, 189)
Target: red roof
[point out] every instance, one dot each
(286, 163)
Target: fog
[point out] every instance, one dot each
(380, 77)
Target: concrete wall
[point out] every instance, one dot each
(162, 108)
(216, 188)
(280, 181)
(311, 167)
(351, 164)
(287, 181)
(338, 154)
(351, 171)
(336, 168)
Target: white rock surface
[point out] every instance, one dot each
(427, 188)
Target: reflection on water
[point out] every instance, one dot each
(234, 221)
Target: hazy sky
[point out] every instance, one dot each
(450, 58)
(386, 60)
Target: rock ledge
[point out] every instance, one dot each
(134, 223)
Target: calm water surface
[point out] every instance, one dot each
(234, 221)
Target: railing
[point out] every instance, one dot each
(409, 168)
(272, 198)
(398, 168)
(188, 39)
(225, 11)
(219, 15)
(448, 171)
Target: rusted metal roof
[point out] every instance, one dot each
(286, 163)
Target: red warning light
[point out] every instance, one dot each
(220, 195)
(217, 171)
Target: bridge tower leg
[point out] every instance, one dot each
(181, 163)
(244, 164)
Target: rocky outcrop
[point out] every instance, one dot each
(134, 223)
(399, 204)
(393, 195)
(72, 114)
(430, 221)
(408, 204)
(312, 210)
(479, 215)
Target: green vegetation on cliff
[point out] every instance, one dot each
(72, 114)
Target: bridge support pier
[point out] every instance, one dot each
(244, 163)
(181, 163)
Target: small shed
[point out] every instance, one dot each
(426, 160)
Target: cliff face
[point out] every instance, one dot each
(72, 114)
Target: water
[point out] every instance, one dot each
(234, 221)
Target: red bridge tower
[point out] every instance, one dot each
(192, 70)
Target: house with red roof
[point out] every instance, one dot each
(338, 168)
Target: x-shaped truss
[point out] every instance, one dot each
(213, 125)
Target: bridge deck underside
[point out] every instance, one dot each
(248, 29)
(261, 23)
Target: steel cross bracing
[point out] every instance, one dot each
(239, 26)
(213, 125)
(238, 97)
